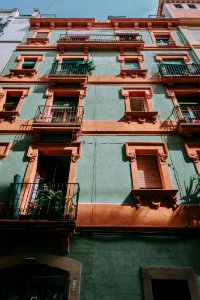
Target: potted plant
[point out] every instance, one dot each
(89, 64)
(48, 205)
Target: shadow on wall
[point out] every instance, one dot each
(192, 191)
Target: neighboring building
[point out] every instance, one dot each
(13, 28)
(179, 9)
(99, 145)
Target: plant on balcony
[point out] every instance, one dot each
(192, 195)
(89, 64)
(48, 205)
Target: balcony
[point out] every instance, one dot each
(188, 118)
(58, 118)
(100, 42)
(183, 73)
(26, 203)
(69, 72)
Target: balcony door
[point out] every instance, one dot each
(190, 109)
(64, 110)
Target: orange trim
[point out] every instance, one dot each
(193, 151)
(22, 92)
(161, 152)
(49, 149)
(34, 40)
(19, 71)
(143, 115)
(168, 34)
(162, 57)
(123, 58)
(60, 57)
(4, 149)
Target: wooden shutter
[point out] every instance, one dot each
(137, 103)
(148, 172)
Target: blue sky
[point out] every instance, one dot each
(98, 9)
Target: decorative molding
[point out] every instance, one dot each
(193, 152)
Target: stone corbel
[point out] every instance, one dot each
(132, 156)
(69, 25)
(194, 156)
(32, 154)
(136, 26)
(74, 157)
(89, 25)
(141, 120)
(52, 25)
(162, 157)
(149, 26)
(116, 25)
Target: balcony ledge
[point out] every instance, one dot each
(23, 73)
(141, 116)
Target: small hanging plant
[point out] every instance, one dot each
(88, 63)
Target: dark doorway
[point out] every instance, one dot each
(33, 282)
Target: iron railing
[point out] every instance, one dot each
(165, 44)
(40, 200)
(70, 69)
(188, 113)
(100, 38)
(59, 114)
(177, 70)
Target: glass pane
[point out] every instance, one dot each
(174, 61)
(28, 64)
(132, 65)
(42, 35)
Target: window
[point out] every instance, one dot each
(169, 283)
(162, 41)
(64, 107)
(178, 6)
(192, 6)
(42, 35)
(11, 102)
(186, 109)
(132, 65)
(150, 176)
(27, 65)
(163, 38)
(50, 191)
(148, 172)
(138, 105)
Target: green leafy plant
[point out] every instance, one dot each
(88, 63)
(49, 204)
(192, 195)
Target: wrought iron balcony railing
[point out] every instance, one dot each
(177, 70)
(40, 200)
(69, 69)
(59, 114)
(67, 38)
(165, 43)
(188, 114)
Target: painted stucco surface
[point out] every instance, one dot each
(111, 265)
(103, 170)
(106, 63)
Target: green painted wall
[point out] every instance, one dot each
(103, 153)
(16, 161)
(106, 63)
(111, 265)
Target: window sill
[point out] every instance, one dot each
(22, 72)
(141, 116)
(155, 197)
(134, 73)
(37, 41)
(9, 115)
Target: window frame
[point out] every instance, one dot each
(123, 58)
(39, 41)
(167, 34)
(156, 196)
(178, 5)
(163, 57)
(149, 273)
(12, 115)
(140, 116)
(50, 149)
(20, 72)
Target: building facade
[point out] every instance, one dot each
(99, 147)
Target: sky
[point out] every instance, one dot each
(98, 9)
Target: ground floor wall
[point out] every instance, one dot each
(111, 264)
